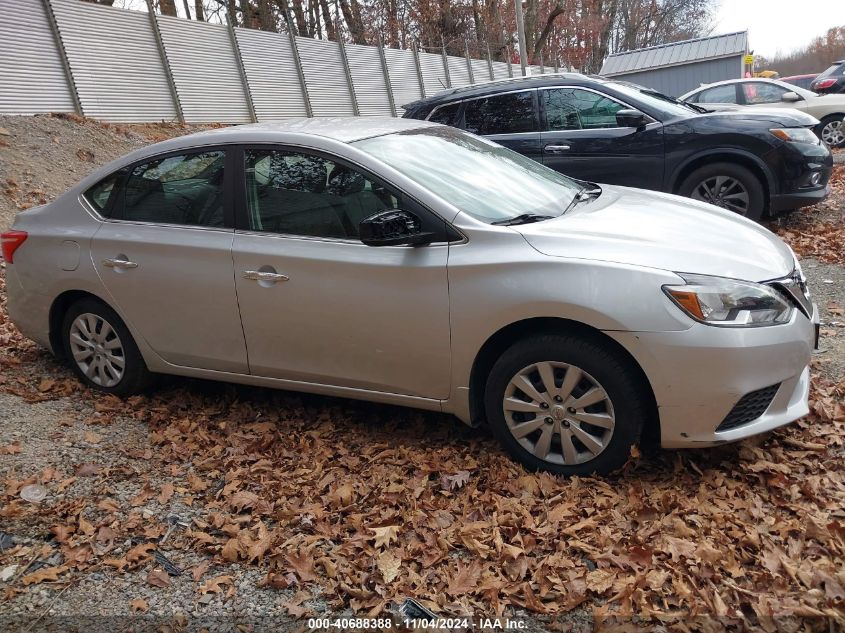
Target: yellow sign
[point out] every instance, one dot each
(748, 60)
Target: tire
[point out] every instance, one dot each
(832, 130)
(589, 364)
(90, 331)
(729, 186)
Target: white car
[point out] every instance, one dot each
(768, 93)
(411, 263)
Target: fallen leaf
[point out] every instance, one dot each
(158, 578)
(139, 605)
(389, 566)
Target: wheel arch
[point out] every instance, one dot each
(59, 308)
(739, 157)
(498, 342)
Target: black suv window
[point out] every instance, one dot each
(509, 113)
(185, 189)
(301, 194)
(574, 109)
(445, 114)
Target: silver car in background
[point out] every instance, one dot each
(406, 262)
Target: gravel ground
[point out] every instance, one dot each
(67, 433)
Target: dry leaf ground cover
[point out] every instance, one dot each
(274, 506)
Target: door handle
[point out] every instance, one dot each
(260, 275)
(119, 264)
(555, 149)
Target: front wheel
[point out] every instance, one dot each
(566, 405)
(832, 131)
(101, 350)
(726, 185)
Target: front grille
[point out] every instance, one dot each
(750, 407)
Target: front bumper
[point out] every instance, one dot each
(699, 374)
(802, 173)
(789, 201)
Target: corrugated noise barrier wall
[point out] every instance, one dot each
(119, 65)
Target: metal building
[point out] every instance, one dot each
(676, 68)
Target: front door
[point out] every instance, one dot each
(317, 305)
(581, 139)
(165, 258)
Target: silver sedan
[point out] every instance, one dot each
(410, 263)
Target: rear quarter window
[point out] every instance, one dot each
(100, 194)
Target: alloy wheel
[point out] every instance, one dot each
(559, 412)
(834, 133)
(723, 191)
(97, 349)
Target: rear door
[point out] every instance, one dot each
(165, 258)
(581, 139)
(510, 119)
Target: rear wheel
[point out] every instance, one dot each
(727, 185)
(832, 130)
(101, 350)
(566, 405)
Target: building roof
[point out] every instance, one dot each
(676, 53)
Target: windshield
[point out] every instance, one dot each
(662, 103)
(483, 179)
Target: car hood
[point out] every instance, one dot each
(658, 230)
(785, 117)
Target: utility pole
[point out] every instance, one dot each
(520, 30)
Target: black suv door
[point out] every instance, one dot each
(510, 119)
(581, 138)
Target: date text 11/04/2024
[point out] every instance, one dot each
(430, 624)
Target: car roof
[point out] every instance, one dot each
(343, 129)
(500, 85)
(740, 80)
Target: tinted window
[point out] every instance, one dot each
(185, 189)
(99, 194)
(759, 92)
(719, 94)
(445, 114)
(458, 167)
(502, 114)
(301, 194)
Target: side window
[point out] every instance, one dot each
(760, 92)
(99, 194)
(719, 94)
(502, 114)
(302, 194)
(574, 109)
(445, 114)
(185, 189)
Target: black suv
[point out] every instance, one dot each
(748, 161)
(832, 80)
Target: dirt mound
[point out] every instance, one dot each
(41, 156)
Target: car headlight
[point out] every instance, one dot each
(729, 302)
(795, 135)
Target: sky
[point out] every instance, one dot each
(778, 25)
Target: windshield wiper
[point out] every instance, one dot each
(523, 218)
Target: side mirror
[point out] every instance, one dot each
(631, 118)
(393, 228)
(790, 97)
